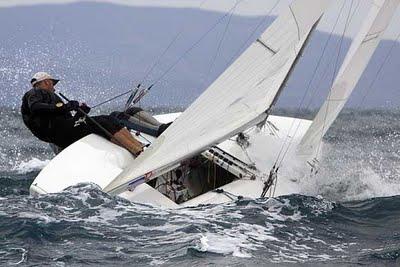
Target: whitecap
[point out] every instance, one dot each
(222, 244)
(33, 164)
(31, 215)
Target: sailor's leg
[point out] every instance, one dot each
(126, 140)
(128, 134)
(121, 135)
(147, 117)
(134, 121)
(153, 126)
(141, 126)
(142, 116)
(144, 127)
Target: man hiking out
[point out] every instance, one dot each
(50, 119)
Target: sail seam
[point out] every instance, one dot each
(335, 72)
(379, 71)
(266, 46)
(372, 36)
(295, 20)
(376, 4)
(309, 88)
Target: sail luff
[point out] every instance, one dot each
(236, 101)
(299, 55)
(356, 60)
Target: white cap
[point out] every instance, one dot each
(41, 76)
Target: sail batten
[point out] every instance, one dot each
(355, 62)
(236, 101)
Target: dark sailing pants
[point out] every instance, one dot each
(70, 131)
(139, 120)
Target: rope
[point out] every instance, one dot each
(111, 99)
(221, 41)
(379, 71)
(228, 194)
(262, 21)
(325, 72)
(194, 45)
(336, 69)
(275, 186)
(166, 50)
(309, 87)
(172, 42)
(309, 84)
(349, 18)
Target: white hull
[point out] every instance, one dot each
(95, 160)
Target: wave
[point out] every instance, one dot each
(360, 158)
(33, 164)
(287, 229)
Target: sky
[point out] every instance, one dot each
(244, 8)
(100, 62)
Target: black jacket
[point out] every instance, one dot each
(40, 112)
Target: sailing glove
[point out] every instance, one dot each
(85, 108)
(72, 105)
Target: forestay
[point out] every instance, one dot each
(350, 72)
(237, 100)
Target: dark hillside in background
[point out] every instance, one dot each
(100, 50)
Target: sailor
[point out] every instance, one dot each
(50, 119)
(135, 118)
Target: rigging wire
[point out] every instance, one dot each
(310, 83)
(179, 59)
(221, 41)
(385, 61)
(336, 69)
(172, 42)
(288, 138)
(348, 21)
(325, 72)
(156, 62)
(262, 21)
(111, 99)
(276, 165)
(219, 45)
(169, 69)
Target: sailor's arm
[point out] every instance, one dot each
(38, 106)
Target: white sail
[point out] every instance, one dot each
(350, 72)
(237, 100)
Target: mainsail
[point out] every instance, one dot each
(237, 100)
(350, 72)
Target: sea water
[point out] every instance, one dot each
(349, 214)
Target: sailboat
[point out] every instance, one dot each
(208, 153)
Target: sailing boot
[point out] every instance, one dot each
(162, 128)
